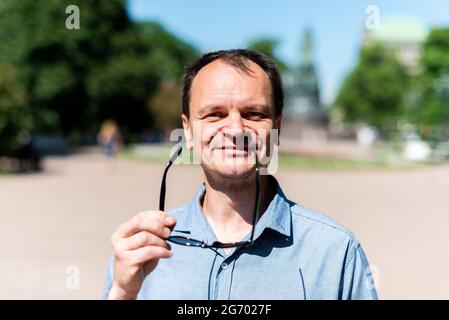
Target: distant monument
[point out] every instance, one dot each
(304, 114)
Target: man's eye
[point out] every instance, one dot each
(254, 115)
(215, 115)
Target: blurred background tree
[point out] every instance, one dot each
(169, 55)
(432, 85)
(165, 105)
(15, 116)
(268, 47)
(374, 92)
(74, 79)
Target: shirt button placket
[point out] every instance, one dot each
(216, 271)
(224, 280)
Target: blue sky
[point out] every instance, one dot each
(337, 26)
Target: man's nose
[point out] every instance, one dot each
(235, 131)
(234, 126)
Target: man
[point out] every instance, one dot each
(296, 253)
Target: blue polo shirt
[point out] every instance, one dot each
(297, 254)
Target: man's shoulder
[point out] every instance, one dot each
(318, 224)
(334, 255)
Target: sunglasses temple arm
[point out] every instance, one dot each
(162, 194)
(256, 207)
(169, 163)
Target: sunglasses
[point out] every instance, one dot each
(187, 241)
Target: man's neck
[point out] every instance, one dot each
(229, 206)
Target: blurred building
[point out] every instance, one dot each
(405, 35)
(304, 115)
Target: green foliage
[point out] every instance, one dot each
(166, 106)
(432, 85)
(118, 89)
(167, 52)
(268, 47)
(74, 79)
(435, 57)
(168, 55)
(374, 92)
(14, 114)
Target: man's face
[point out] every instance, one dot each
(226, 106)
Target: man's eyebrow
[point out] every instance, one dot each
(209, 108)
(250, 107)
(258, 107)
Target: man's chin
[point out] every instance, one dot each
(230, 167)
(236, 172)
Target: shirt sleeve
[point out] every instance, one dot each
(358, 282)
(108, 279)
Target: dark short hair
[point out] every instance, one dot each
(237, 58)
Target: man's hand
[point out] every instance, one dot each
(138, 245)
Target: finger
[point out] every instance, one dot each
(153, 221)
(147, 253)
(143, 238)
(170, 221)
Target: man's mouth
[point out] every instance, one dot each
(233, 150)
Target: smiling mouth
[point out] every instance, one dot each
(233, 152)
(233, 149)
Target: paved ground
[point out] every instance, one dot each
(64, 217)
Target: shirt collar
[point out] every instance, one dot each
(277, 216)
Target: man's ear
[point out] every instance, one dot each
(187, 132)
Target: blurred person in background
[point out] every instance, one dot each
(111, 142)
(29, 156)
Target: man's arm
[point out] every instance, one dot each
(358, 282)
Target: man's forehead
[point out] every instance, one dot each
(218, 68)
(221, 80)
